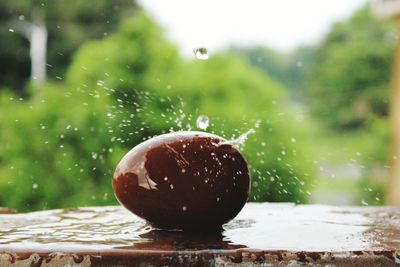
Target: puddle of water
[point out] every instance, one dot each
(258, 226)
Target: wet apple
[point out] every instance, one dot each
(183, 180)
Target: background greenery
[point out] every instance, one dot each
(61, 141)
(68, 26)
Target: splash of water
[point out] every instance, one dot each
(237, 142)
(201, 53)
(202, 122)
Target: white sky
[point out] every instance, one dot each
(280, 24)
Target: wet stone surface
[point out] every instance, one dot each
(262, 234)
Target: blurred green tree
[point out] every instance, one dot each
(68, 26)
(289, 69)
(61, 145)
(349, 90)
(349, 80)
(55, 151)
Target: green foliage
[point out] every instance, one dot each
(349, 93)
(349, 80)
(372, 190)
(287, 69)
(55, 150)
(345, 82)
(126, 88)
(68, 25)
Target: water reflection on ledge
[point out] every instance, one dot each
(260, 233)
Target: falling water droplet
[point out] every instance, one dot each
(201, 53)
(202, 122)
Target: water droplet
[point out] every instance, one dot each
(171, 186)
(201, 53)
(202, 122)
(293, 140)
(34, 186)
(165, 178)
(184, 208)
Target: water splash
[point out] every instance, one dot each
(202, 122)
(201, 53)
(237, 142)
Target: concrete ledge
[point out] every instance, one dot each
(262, 234)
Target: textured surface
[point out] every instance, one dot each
(277, 234)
